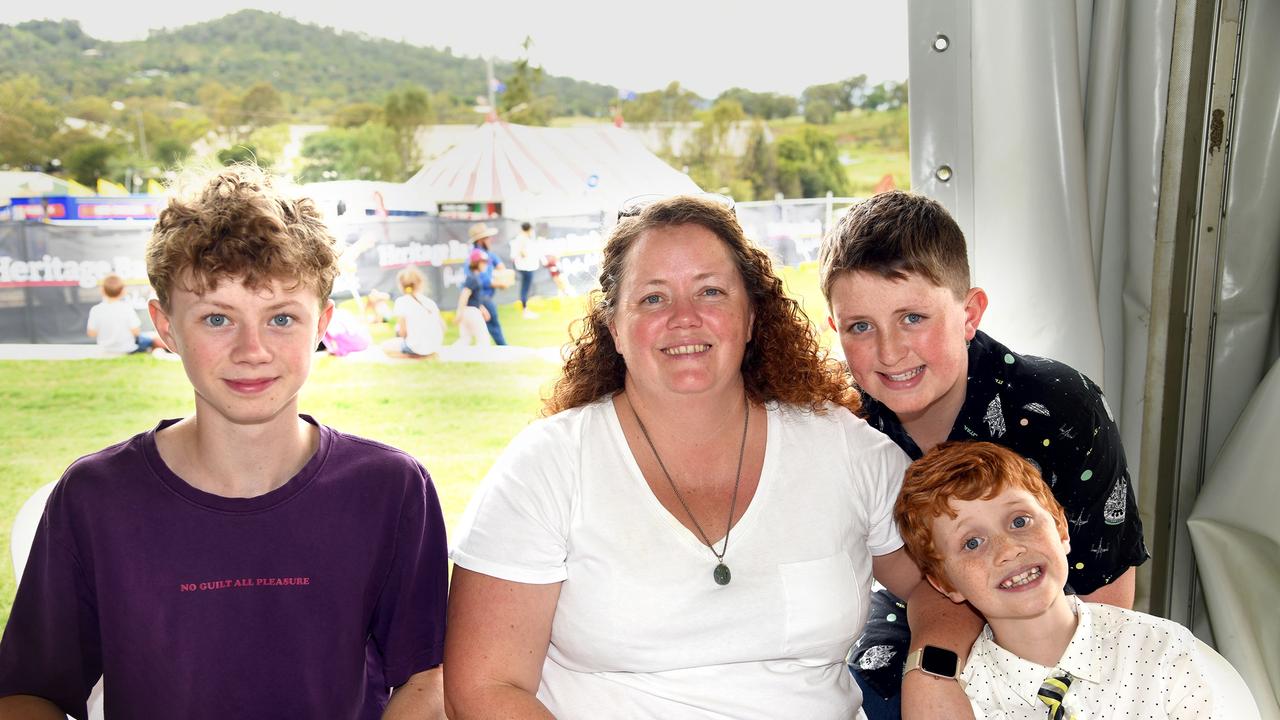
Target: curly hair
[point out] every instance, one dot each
(961, 470)
(235, 224)
(783, 361)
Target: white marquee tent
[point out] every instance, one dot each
(545, 172)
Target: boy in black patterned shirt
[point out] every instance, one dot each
(895, 273)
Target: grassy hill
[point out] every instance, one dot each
(315, 67)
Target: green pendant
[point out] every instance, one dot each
(721, 574)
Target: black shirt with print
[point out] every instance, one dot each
(1058, 419)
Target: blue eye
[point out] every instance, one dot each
(216, 320)
(913, 318)
(650, 300)
(713, 291)
(1021, 521)
(972, 543)
(282, 320)
(860, 327)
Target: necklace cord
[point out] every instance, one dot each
(733, 503)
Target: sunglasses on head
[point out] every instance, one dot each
(634, 206)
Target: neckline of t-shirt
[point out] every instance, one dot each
(742, 529)
(219, 503)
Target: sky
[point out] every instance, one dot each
(706, 45)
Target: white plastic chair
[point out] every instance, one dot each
(1231, 697)
(1236, 537)
(24, 534)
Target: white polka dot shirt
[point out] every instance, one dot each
(1127, 666)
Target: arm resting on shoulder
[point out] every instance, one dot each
(496, 640)
(896, 571)
(1119, 593)
(421, 697)
(936, 620)
(29, 707)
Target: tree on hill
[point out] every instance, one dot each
(809, 165)
(521, 102)
(765, 106)
(672, 104)
(367, 152)
(404, 112)
(27, 123)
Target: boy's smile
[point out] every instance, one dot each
(1004, 555)
(904, 340)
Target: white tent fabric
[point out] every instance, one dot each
(545, 172)
(361, 195)
(1071, 142)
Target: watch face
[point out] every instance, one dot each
(938, 661)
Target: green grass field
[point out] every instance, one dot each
(454, 417)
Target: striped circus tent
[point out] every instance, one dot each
(545, 172)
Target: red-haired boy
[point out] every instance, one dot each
(985, 529)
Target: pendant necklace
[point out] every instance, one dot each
(721, 574)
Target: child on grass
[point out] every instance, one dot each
(114, 324)
(419, 327)
(244, 561)
(984, 528)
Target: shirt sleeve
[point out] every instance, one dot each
(879, 467)
(51, 645)
(92, 325)
(516, 526)
(408, 621)
(134, 322)
(1102, 512)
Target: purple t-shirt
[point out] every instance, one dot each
(306, 602)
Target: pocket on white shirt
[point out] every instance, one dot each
(823, 607)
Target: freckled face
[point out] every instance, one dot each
(246, 351)
(683, 318)
(904, 340)
(1003, 555)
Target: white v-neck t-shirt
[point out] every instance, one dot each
(641, 629)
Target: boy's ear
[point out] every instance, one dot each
(326, 314)
(975, 304)
(952, 595)
(160, 319)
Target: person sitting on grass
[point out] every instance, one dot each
(245, 561)
(115, 324)
(419, 327)
(985, 529)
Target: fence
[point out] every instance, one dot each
(49, 273)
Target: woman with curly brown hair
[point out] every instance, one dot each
(692, 529)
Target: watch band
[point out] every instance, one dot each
(935, 661)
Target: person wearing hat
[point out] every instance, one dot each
(471, 316)
(481, 237)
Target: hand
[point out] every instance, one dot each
(484, 313)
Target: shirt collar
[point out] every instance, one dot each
(1024, 678)
(987, 369)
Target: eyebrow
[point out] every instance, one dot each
(270, 308)
(664, 282)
